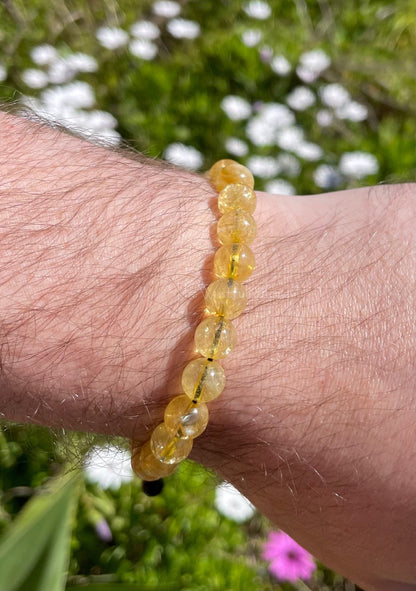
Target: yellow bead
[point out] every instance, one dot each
(237, 196)
(225, 297)
(235, 261)
(217, 168)
(203, 380)
(225, 172)
(184, 415)
(236, 226)
(167, 447)
(147, 466)
(215, 337)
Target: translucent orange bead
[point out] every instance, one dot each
(167, 447)
(184, 415)
(226, 172)
(236, 226)
(147, 466)
(237, 196)
(235, 261)
(225, 297)
(215, 337)
(203, 380)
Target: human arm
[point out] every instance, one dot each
(104, 263)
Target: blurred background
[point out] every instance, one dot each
(312, 96)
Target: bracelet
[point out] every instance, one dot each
(203, 379)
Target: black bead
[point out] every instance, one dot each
(152, 488)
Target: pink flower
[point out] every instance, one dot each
(103, 531)
(288, 560)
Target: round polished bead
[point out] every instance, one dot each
(236, 226)
(152, 488)
(217, 168)
(203, 380)
(225, 172)
(235, 261)
(225, 297)
(237, 196)
(183, 415)
(167, 447)
(147, 466)
(215, 337)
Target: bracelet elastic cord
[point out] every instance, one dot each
(203, 378)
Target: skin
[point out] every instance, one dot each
(105, 258)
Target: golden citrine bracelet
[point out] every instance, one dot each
(203, 379)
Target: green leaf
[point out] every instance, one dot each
(34, 552)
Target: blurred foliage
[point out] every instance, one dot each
(41, 534)
(179, 540)
(176, 96)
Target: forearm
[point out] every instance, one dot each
(99, 264)
(104, 264)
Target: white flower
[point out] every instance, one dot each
(262, 130)
(308, 151)
(305, 75)
(300, 98)
(290, 138)
(311, 64)
(81, 62)
(316, 60)
(327, 177)
(57, 112)
(235, 107)
(352, 111)
(280, 187)
(112, 37)
(251, 37)
(34, 105)
(101, 121)
(266, 53)
(146, 50)
(166, 8)
(358, 165)
(289, 164)
(47, 112)
(334, 95)
(259, 132)
(145, 30)
(77, 95)
(324, 117)
(3, 73)
(34, 78)
(43, 55)
(109, 467)
(263, 166)
(276, 115)
(55, 98)
(236, 147)
(181, 155)
(109, 136)
(181, 28)
(65, 68)
(258, 9)
(60, 71)
(232, 504)
(80, 95)
(280, 65)
(64, 104)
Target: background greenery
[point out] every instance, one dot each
(179, 540)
